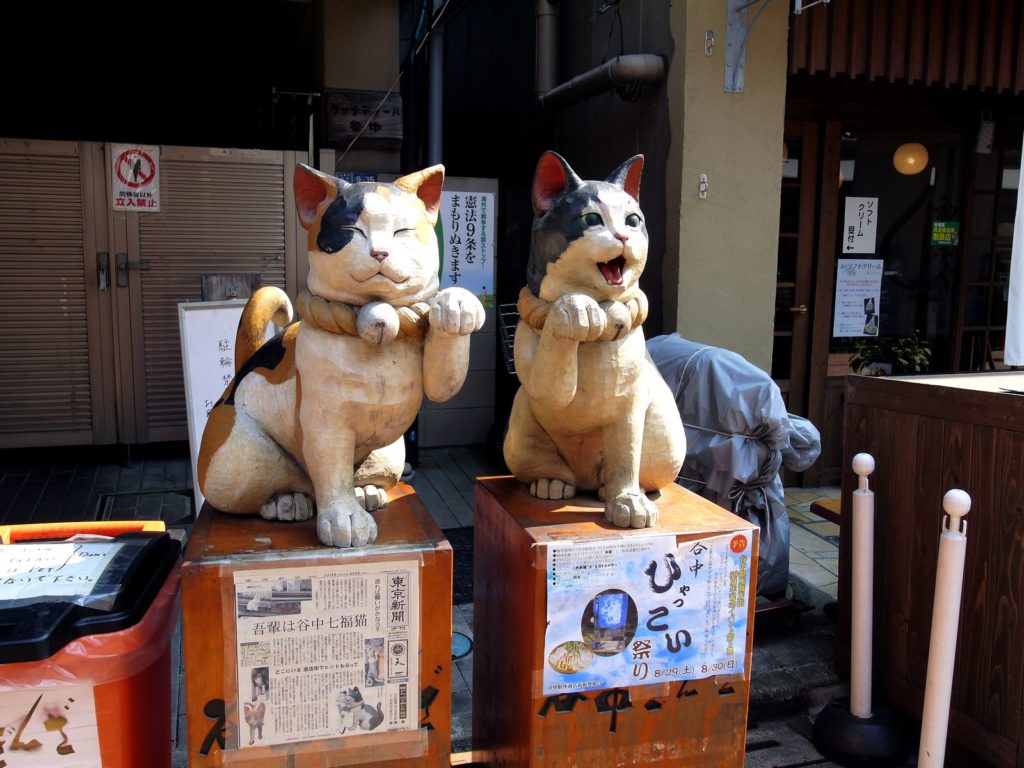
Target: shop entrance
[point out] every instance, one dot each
(89, 295)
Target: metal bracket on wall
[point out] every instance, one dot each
(735, 44)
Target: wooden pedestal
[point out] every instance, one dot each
(223, 544)
(701, 722)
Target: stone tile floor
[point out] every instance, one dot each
(813, 541)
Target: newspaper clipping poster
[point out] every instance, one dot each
(642, 610)
(327, 652)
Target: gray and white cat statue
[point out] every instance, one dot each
(593, 413)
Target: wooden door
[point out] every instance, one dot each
(222, 211)
(793, 304)
(57, 370)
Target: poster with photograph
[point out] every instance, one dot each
(327, 652)
(858, 293)
(642, 610)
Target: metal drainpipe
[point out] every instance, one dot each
(435, 99)
(546, 64)
(637, 68)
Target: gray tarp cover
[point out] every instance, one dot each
(738, 436)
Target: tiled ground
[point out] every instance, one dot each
(813, 542)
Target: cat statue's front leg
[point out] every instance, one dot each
(455, 313)
(625, 503)
(340, 520)
(551, 377)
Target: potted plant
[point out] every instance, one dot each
(897, 355)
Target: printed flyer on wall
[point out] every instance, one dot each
(858, 297)
(327, 652)
(636, 611)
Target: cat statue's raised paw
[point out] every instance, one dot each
(593, 412)
(313, 421)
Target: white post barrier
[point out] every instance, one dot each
(863, 574)
(949, 580)
(856, 732)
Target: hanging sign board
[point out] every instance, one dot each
(645, 610)
(858, 293)
(135, 177)
(465, 231)
(356, 113)
(860, 224)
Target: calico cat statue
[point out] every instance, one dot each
(314, 418)
(593, 413)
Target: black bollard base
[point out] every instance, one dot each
(861, 742)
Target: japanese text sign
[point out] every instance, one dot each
(860, 224)
(135, 178)
(465, 229)
(643, 610)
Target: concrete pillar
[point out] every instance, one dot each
(720, 259)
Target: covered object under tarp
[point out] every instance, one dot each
(738, 437)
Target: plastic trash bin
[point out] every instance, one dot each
(85, 646)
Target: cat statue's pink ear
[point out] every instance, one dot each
(552, 177)
(426, 185)
(627, 176)
(311, 188)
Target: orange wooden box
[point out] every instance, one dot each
(222, 544)
(694, 723)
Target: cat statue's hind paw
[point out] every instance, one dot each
(371, 497)
(552, 489)
(631, 509)
(288, 506)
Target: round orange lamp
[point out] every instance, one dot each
(911, 158)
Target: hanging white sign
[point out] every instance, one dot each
(860, 225)
(135, 178)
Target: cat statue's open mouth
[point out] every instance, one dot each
(612, 270)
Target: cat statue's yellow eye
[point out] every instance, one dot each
(592, 219)
(632, 220)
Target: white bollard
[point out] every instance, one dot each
(863, 574)
(949, 581)
(854, 732)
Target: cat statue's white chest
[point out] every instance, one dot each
(373, 389)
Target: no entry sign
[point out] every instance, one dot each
(135, 177)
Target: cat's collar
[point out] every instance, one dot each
(339, 317)
(533, 311)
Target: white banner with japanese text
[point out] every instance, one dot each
(327, 652)
(642, 610)
(465, 229)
